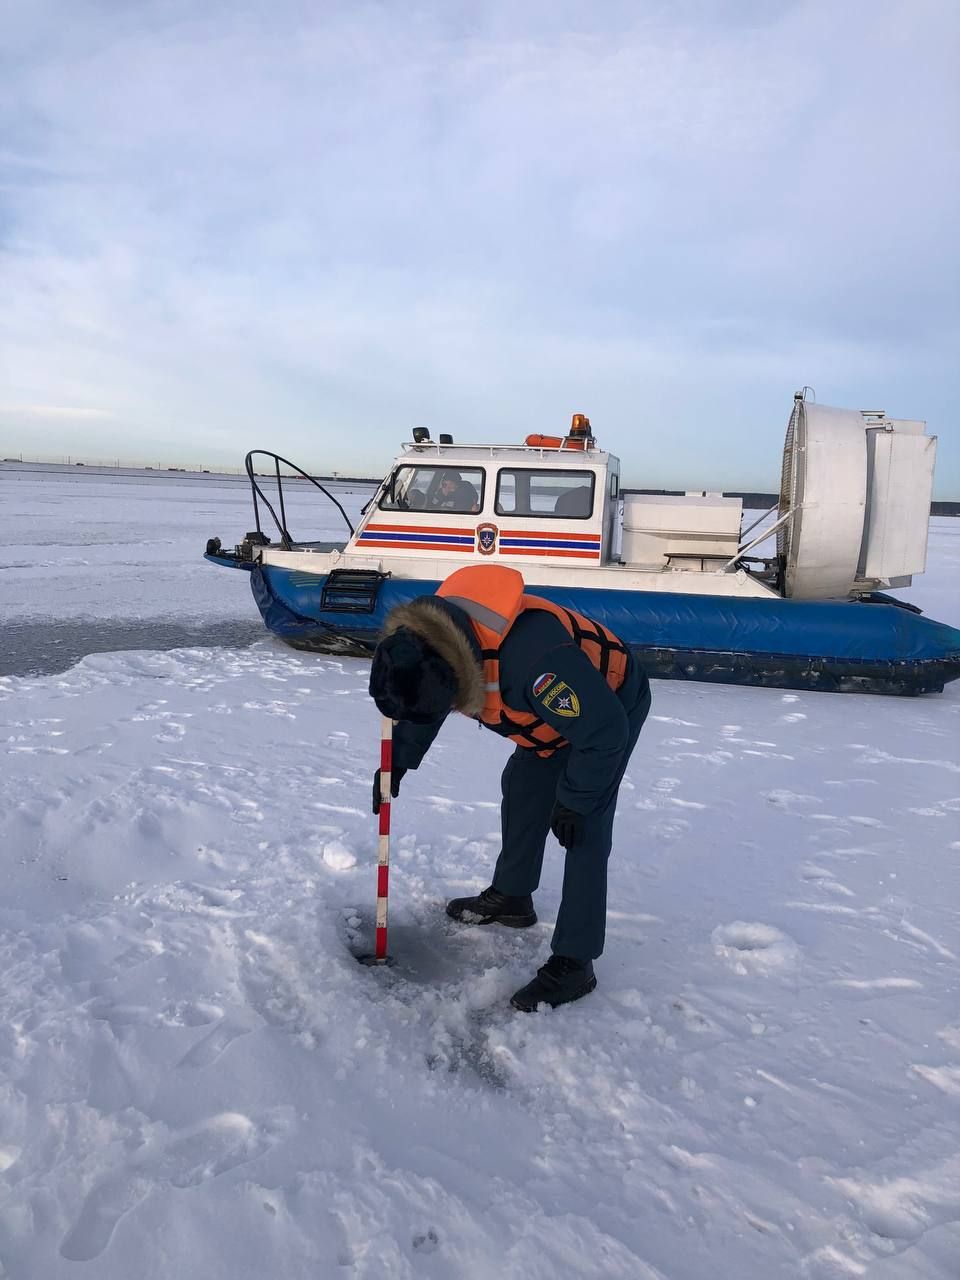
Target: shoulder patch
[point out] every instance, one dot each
(561, 700)
(543, 682)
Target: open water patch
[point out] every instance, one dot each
(46, 646)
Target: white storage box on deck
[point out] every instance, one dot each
(656, 527)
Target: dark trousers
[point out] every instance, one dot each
(529, 786)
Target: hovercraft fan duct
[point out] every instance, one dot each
(858, 486)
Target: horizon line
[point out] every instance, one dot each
(165, 471)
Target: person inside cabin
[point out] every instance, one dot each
(572, 699)
(453, 493)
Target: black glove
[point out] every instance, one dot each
(396, 776)
(566, 825)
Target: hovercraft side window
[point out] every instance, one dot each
(566, 495)
(453, 489)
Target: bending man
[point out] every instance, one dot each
(572, 698)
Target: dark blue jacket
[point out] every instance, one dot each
(537, 655)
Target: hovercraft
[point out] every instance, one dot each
(675, 577)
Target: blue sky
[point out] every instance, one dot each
(309, 226)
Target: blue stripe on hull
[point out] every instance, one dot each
(417, 537)
(785, 643)
(572, 545)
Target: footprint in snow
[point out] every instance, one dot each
(824, 879)
(781, 799)
(873, 985)
(757, 949)
(84, 956)
(946, 1079)
(448, 804)
(137, 954)
(850, 782)
(207, 1050)
(172, 732)
(217, 896)
(190, 1157)
(183, 1013)
(905, 1208)
(670, 828)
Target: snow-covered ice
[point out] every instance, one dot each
(95, 562)
(198, 1079)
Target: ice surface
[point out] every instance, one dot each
(198, 1079)
(94, 563)
(96, 546)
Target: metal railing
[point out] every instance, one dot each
(286, 541)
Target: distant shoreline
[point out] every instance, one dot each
(752, 500)
(81, 470)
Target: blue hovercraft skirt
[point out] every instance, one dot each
(843, 646)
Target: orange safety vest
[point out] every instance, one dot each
(492, 597)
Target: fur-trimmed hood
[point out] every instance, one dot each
(434, 624)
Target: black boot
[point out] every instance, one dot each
(559, 981)
(494, 907)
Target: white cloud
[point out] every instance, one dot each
(313, 222)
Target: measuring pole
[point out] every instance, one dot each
(383, 862)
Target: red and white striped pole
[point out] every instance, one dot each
(383, 860)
